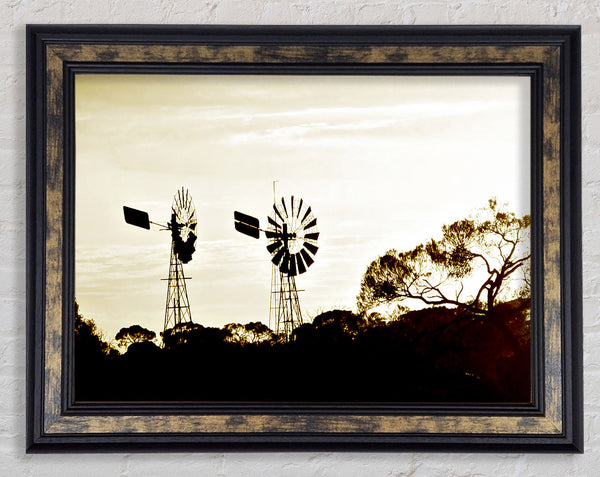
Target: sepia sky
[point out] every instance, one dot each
(384, 161)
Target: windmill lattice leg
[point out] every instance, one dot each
(285, 306)
(177, 309)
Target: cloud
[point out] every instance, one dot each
(350, 120)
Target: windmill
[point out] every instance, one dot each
(183, 238)
(292, 243)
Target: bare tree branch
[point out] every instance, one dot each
(489, 244)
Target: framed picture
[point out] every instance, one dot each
(304, 238)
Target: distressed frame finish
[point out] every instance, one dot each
(550, 56)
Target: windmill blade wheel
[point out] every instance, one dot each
(292, 236)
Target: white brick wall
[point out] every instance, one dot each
(14, 14)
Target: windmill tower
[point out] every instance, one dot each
(285, 314)
(182, 226)
(292, 243)
(183, 239)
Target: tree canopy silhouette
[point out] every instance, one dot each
(454, 356)
(194, 335)
(88, 339)
(134, 334)
(470, 267)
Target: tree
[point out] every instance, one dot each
(472, 267)
(134, 334)
(237, 333)
(93, 357)
(257, 332)
(181, 334)
(89, 341)
(194, 336)
(250, 333)
(340, 323)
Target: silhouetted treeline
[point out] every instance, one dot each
(431, 355)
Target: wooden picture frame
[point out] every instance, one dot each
(548, 55)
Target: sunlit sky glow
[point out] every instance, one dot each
(384, 161)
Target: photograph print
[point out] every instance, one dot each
(302, 239)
